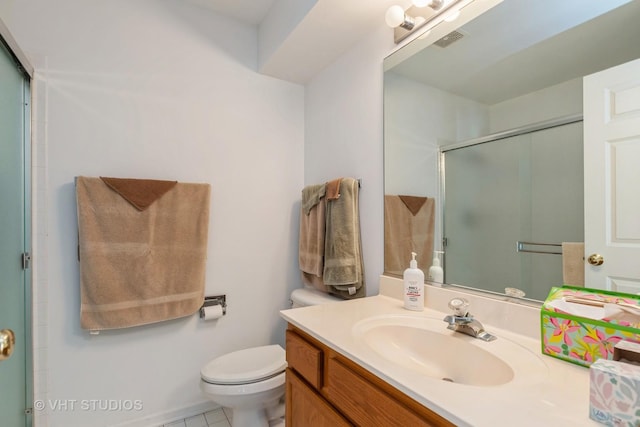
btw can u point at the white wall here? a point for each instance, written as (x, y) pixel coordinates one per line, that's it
(418, 120)
(169, 91)
(561, 100)
(343, 136)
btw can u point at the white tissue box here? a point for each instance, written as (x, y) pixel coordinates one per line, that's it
(614, 395)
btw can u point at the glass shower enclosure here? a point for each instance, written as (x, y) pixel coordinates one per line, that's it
(509, 203)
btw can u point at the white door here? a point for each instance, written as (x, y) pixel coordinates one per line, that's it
(612, 178)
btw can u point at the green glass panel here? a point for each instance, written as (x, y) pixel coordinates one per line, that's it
(523, 188)
(13, 389)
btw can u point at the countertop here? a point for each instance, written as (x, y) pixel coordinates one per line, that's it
(552, 393)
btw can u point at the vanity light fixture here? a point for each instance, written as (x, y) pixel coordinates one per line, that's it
(433, 4)
(424, 14)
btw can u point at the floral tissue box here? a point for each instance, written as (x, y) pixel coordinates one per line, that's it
(614, 395)
(582, 325)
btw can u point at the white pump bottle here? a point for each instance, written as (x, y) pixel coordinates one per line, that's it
(413, 286)
(436, 274)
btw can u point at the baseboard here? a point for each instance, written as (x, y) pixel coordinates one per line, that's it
(158, 419)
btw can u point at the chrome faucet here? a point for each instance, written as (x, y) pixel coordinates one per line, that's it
(463, 321)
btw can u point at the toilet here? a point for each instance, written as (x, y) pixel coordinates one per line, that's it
(250, 382)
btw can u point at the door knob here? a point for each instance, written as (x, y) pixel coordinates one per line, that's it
(595, 259)
(7, 342)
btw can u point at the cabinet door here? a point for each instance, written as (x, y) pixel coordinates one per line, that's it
(369, 405)
(306, 408)
(304, 358)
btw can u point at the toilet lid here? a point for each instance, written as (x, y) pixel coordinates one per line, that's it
(245, 366)
(306, 297)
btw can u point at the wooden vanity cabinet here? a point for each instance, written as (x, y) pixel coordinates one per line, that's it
(325, 388)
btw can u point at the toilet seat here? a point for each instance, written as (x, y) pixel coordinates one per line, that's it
(261, 386)
(245, 366)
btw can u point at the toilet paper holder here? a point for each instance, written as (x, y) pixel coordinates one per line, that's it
(214, 300)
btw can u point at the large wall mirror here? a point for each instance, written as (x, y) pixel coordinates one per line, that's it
(483, 139)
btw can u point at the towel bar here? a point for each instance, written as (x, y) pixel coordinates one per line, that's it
(520, 247)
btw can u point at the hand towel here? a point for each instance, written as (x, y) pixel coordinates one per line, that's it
(311, 239)
(409, 223)
(573, 263)
(141, 193)
(333, 189)
(343, 263)
(140, 267)
(413, 203)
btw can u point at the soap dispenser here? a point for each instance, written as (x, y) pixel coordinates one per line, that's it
(436, 274)
(413, 286)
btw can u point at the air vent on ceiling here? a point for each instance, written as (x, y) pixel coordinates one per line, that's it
(450, 38)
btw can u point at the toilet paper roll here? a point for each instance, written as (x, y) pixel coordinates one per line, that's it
(212, 312)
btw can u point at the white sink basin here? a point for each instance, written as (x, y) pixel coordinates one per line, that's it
(422, 345)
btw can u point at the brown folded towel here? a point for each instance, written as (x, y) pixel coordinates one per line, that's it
(333, 189)
(573, 263)
(406, 232)
(141, 193)
(140, 267)
(413, 203)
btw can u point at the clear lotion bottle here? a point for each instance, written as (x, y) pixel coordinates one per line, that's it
(413, 286)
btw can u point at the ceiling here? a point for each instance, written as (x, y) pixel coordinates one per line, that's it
(522, 46)
(295, 46)
(247, 11)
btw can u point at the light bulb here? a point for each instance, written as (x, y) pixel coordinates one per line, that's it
(395, 16)
(433, 4)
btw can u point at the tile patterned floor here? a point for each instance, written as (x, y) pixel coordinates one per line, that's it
(216, 418)
(220, 417)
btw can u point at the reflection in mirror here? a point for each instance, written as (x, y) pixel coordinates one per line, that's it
(525, 188)
(507, 79)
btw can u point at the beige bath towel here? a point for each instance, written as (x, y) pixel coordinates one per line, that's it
(311, 240)
(139, 267)
(409, 223)
(343, 264)
(573, 263)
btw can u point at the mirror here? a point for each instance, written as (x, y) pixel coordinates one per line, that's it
(496, 100)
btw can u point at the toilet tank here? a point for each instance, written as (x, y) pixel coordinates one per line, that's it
(305, 296)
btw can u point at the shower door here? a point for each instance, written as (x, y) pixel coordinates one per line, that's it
(525, 188)
(15, 389)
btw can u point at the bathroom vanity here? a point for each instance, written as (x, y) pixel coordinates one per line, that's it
(325, 388)
(370, 362)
